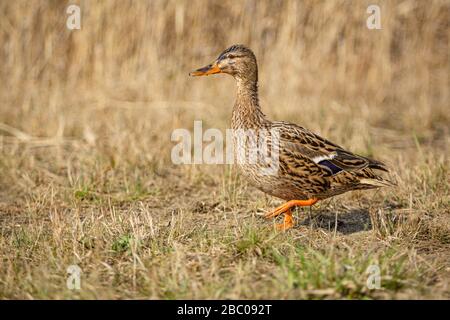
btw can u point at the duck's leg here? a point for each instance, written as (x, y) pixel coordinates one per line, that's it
(287, 223)
(286, 209)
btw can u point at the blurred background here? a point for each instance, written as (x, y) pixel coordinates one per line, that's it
(120, 85)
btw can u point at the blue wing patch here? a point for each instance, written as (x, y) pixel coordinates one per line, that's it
(334, 169)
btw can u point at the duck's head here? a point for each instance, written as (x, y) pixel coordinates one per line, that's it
(238, 61)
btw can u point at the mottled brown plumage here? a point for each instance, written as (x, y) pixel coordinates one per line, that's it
(310, 167)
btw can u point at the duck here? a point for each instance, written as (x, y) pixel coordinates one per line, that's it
(309, 168)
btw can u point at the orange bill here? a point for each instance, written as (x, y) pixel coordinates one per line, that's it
(205, 71)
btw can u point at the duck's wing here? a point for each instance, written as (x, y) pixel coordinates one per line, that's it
(324, 153)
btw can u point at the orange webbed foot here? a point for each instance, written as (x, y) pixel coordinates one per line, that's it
(288, 222)
(286, 209)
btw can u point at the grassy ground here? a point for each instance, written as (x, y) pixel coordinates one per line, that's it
(85, 170)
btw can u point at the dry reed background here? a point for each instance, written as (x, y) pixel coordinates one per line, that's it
(85, 170)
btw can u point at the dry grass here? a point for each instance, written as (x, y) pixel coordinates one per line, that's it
(85, 170)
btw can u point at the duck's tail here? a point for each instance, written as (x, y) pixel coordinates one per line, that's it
(377, 182)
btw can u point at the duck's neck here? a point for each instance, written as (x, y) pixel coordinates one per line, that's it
(247, 113)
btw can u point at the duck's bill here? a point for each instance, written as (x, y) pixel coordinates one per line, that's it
(205, 71)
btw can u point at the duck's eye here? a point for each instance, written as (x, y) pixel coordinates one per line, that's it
(231, 56)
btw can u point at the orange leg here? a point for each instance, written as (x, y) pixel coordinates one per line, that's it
(287, 223)
(286, 209)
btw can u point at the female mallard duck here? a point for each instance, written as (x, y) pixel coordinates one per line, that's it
(310, 167)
